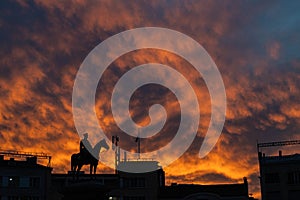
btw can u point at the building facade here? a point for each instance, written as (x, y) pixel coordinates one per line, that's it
(84, 186)
(279, 176)
(24, 180)
(141, 186)
(238, 191)
(27, 180)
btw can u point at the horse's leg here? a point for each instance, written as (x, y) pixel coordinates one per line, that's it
(73, 166)
(73, 169)
(72, 163)
(78, 170)
(91, 170)
(95, 168)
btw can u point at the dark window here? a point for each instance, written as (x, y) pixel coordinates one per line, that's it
(294, 177)
(13, 198)
(13, 181)
(273, 196)
(29, 198)
(294, 194)
(272, 178)
(34, 182)
(24, 182)
(134, 198)
(134, 182)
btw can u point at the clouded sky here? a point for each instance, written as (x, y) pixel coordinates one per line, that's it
(255, 44)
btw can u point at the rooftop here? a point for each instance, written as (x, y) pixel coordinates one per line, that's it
(30, 162)
(281, 159)
(138, 166)
(223, 190)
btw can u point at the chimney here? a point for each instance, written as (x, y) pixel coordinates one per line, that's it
(246, 185)
(245, 180)
(259, 155)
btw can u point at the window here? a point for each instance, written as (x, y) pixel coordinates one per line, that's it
(13, 198)
(134, 182)
(272, 178)
(134, 198)
(13, 181)
(273, 196)
(24, 182)
(294, 194)
(29, 198)
(138, 182)
(34, 182)
(294, 177)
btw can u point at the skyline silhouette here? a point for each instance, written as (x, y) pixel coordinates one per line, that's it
(254, 44)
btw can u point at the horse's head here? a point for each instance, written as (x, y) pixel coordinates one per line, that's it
(104, 144)
(98, 146)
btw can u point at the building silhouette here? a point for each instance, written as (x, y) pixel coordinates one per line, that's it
(27, 180)
(209, 192)
(85, 186)
(24, 179)
(141, 186)
(280, 174)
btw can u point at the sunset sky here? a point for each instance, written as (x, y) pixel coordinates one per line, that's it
(255, 44)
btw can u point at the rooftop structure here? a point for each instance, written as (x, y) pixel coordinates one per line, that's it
(23, 179)
(24, 155)
(26, 179)
(279, 175)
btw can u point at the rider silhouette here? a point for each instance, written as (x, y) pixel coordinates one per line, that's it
(85, 146)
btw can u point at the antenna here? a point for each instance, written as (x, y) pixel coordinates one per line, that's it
(138, 140)
(115, 140)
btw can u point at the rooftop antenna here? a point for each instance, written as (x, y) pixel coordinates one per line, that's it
(138, 140)
(115, 140)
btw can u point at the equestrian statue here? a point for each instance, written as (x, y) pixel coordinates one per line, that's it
(85, 157)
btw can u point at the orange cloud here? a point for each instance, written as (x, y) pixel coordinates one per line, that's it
(42, 51)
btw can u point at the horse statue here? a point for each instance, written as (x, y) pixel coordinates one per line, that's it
(77, 161)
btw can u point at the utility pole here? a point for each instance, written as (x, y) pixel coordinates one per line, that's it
(115, 140)
(138, 140)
